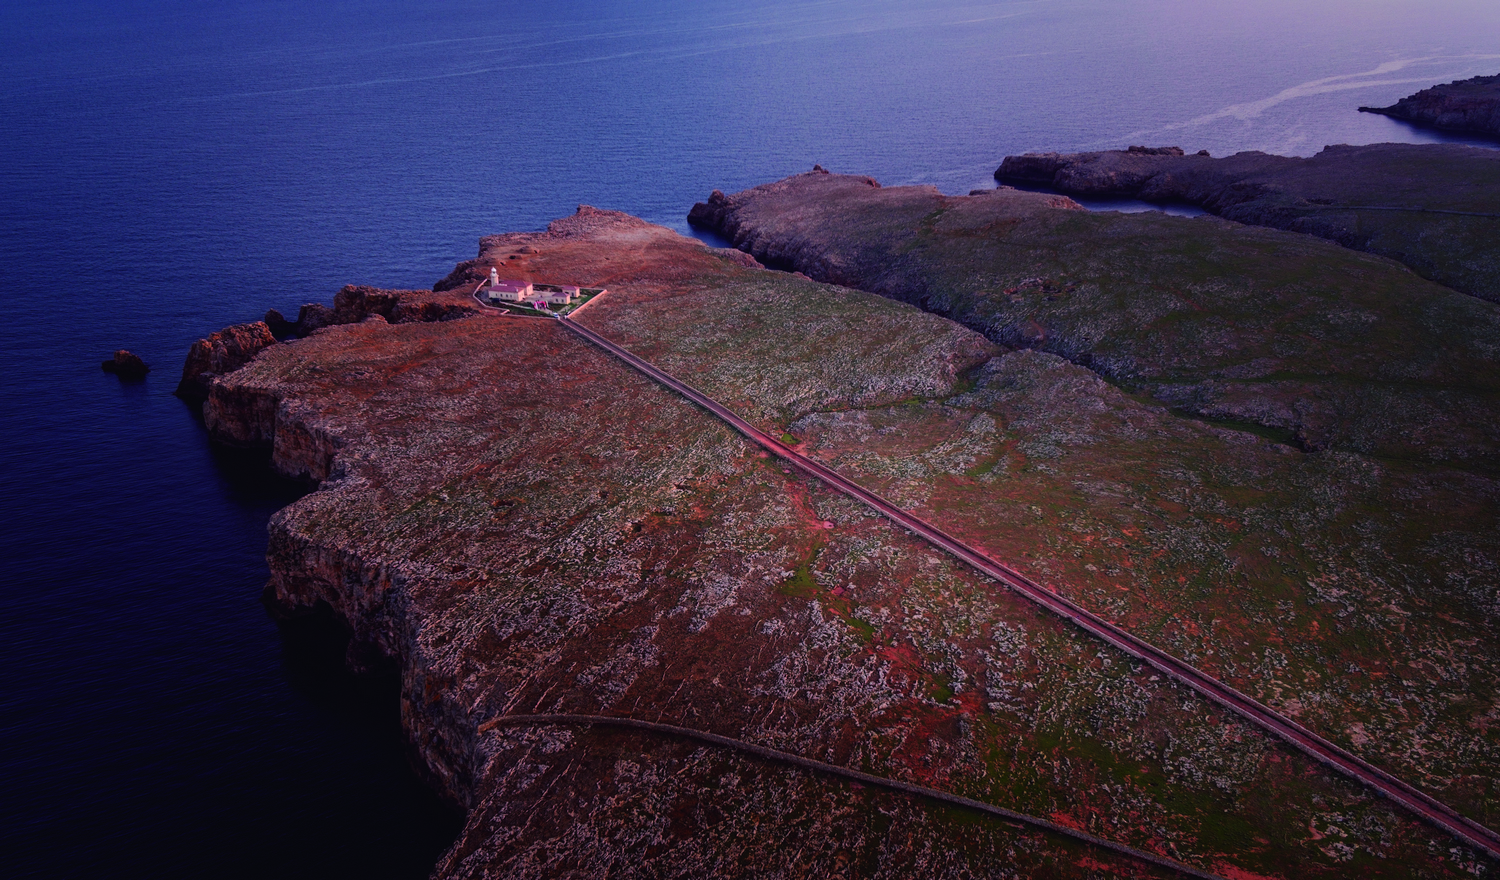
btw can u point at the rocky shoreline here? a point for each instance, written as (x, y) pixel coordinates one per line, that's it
(1471, 106)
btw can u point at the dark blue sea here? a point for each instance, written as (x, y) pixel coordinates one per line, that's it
(167, 168)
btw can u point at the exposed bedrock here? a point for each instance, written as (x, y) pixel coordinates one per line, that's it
(370, 596)
(244, 416)
(1433, 207)
(1315, 344)
(1466, 105)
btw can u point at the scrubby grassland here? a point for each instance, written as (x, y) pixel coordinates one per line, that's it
(1320, 529)
(1353, 594)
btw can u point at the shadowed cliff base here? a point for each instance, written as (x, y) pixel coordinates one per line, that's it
(1433, 207)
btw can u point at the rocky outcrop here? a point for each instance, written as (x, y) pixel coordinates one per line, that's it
(354, 303)
(233, 347)
(718, 212)
(278, 324)
(1108, 173)
(1467, 105)
(219, 353)
(1430, 206)
(126, 365)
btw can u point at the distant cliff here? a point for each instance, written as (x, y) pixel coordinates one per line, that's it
(1434, 207)
(1468, 105)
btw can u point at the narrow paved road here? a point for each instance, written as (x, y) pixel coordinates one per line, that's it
(1408, 796)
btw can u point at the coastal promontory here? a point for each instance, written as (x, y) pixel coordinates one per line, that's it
(1466, 105)
(1213, 435)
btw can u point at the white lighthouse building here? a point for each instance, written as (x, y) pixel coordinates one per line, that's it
(506, 291)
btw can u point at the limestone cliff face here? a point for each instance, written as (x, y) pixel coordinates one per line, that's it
(301, 447)
(371, 596)
(1466, 105)
(242, 414)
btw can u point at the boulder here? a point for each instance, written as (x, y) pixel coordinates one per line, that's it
(126, 365)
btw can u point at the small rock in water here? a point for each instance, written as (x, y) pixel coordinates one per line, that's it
(126, 365)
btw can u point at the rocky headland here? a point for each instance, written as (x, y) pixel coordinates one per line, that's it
(355, 303)
(1467, 105)
(1433, 207)
(1313, 344)
(523, 524)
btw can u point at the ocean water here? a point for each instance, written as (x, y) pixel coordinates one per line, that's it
(168, 168)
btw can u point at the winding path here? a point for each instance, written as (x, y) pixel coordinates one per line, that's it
(1408, 796)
